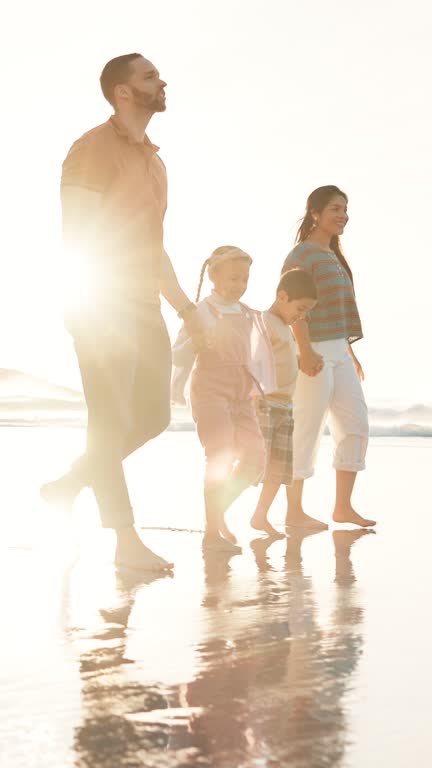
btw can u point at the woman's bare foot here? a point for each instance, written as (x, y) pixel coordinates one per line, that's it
(219, 544)
(262, 524)
(348, 515)
(132, 553)
(345, 538)
(296, 518)
(343, 541)
(227, 534)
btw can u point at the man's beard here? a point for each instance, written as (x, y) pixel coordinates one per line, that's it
(150, 103)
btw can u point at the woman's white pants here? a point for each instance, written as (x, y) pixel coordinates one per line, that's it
(336, 395)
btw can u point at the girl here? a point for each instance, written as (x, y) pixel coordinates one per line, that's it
(236, 365)
(329, 377)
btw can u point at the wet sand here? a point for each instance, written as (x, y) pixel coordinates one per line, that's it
(307, 652)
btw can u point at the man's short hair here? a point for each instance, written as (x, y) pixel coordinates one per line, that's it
(298, 284)
(116, 72)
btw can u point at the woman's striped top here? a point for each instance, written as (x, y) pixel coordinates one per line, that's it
(335, 315)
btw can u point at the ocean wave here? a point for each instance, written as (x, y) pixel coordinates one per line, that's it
(30, 402)
(416, 421)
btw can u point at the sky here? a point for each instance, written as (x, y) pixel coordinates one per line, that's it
(266, 100)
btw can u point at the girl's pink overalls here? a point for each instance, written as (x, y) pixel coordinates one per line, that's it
(222, 403)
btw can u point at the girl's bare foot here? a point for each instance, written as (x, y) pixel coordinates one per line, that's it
(263, 525)
(296, 518)
(219, 544)
(132, 553)
(348, 515)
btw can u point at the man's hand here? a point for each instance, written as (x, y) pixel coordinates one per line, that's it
(200, 337)
(311, 363)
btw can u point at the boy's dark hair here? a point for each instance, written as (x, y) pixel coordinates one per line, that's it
(116, 72)
(298, 284)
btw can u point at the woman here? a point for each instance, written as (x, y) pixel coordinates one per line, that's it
(329, 379)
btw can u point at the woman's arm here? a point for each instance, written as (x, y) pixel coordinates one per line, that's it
(310, 362)
(356, 362)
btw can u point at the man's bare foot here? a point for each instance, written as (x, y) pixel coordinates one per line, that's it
(227, 534)
(299, 519)
(262, 524)
(132, 553)
(348, 515)
(219, 544)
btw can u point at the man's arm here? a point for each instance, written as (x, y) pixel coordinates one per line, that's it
(86, 173)
(81, 278)
(81, 209)
(171, 291)
(169, 285)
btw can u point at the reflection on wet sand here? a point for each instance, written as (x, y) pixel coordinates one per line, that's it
(268, 680)
(106, 737)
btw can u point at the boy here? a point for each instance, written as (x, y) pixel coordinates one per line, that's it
(296, 295)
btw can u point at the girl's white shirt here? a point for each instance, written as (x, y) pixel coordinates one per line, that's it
(184, 354)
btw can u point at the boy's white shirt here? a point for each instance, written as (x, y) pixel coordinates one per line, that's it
(280, 334)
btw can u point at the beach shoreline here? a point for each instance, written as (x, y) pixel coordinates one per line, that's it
(279, 656)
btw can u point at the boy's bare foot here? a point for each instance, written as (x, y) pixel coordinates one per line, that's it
(299, 519)
(263, 525)
(132, 553)
(219, 544)
(227, 534)
(348, 515)
(259, 547)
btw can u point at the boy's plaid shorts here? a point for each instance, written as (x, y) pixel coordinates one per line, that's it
(277, 425)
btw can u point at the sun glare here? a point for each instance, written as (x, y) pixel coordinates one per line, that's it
(79, 282)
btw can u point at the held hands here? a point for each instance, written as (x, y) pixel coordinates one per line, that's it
(200, 336)
(311, 363)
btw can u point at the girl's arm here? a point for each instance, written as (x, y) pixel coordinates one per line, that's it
(310, 362)
(183, 353)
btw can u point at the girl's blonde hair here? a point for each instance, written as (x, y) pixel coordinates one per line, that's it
(219, 256)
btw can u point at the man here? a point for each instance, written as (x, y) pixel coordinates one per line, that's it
(113, 192)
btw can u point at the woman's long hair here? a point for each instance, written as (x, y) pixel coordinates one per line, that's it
(316, 202)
